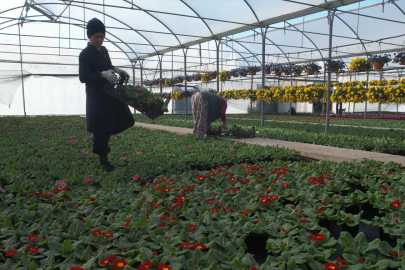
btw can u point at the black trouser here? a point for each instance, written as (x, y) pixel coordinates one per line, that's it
(100, 142)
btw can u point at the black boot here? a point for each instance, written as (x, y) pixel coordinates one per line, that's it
(108, 166)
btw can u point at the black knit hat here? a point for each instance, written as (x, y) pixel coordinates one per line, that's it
(95, 26)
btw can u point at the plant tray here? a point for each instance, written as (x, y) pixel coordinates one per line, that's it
(236, 132)
(152, 111)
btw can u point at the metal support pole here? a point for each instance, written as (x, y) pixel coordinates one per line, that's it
(21, 66)
(160, 72)
(218, 43)
(365, 103)
(264, 33)
(141, 68)
(185, 72)
(133, 72)
(331, 15)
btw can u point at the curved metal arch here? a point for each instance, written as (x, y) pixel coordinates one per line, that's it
(348, 26)
(306, 37)
(244, 59)
(65, 23)
(119, 22)
(195, 12)
(400, 9)
(147, 12)
(257, 18)
(253, 55)
(251, 9)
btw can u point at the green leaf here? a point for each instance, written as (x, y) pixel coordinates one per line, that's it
(240, 265)
(360, 241)
(7, 223)
(67, 247)
(32, 266)
(198, 258)
(89, 264)
(140, 224)
(384, 248)
(382, 264)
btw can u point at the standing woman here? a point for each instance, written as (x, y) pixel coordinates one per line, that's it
(207, 108)
(105, 115)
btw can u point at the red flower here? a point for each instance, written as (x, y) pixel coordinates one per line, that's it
(120, 263)
(303, 221)
(310, 236)
(198, 246)
(161, 225)
(344, 262)
(185, 245)
(191, 227)
(253, 268)
(164, 217)
(318, 237)
(107, 234)
(96, 232)
(331, 266)
(164, 267)
(361, 260)
(299, 215)
(394, 254)
(284, 185)
(124, 250)
(214, 210)
(75, 268)
(201, 177)
(319, 211)
(31, 249)
(283, 230)
(396, 204)
(155, 253)
(145, 265)
(92, 199)
(32, 237)
(174, 219)
(11, 252)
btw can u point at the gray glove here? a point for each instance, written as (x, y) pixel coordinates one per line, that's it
(110, 76)
(123, 74)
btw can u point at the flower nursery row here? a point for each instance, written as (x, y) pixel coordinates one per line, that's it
(357, 64)
(377, 140)
(271, 215)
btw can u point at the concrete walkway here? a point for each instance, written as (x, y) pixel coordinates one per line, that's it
(312, 151)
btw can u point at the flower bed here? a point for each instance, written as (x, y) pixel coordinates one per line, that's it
(376, 140)
(225, 218)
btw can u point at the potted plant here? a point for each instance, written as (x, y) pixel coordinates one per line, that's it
(335, 65)
(169, 82)
(224, 76)
(243, 71)
(296, 69)
(253, 69)
(213, 74)
(188, 78)
(235, 72)
(205, 77)
(312, 68)
(379, 60)
(196, 77)
(286, 69)
(268, 68)
(277, 68)
(179, 79)
(399, 57)
(360, 64)
(147, 83)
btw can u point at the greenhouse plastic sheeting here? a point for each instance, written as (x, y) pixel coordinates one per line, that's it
(46, 36)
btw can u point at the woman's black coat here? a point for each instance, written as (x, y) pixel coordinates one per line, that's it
(104, 113)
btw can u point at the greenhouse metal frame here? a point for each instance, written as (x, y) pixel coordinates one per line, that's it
(156, 39)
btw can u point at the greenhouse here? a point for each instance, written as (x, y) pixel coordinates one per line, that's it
(306, 170)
